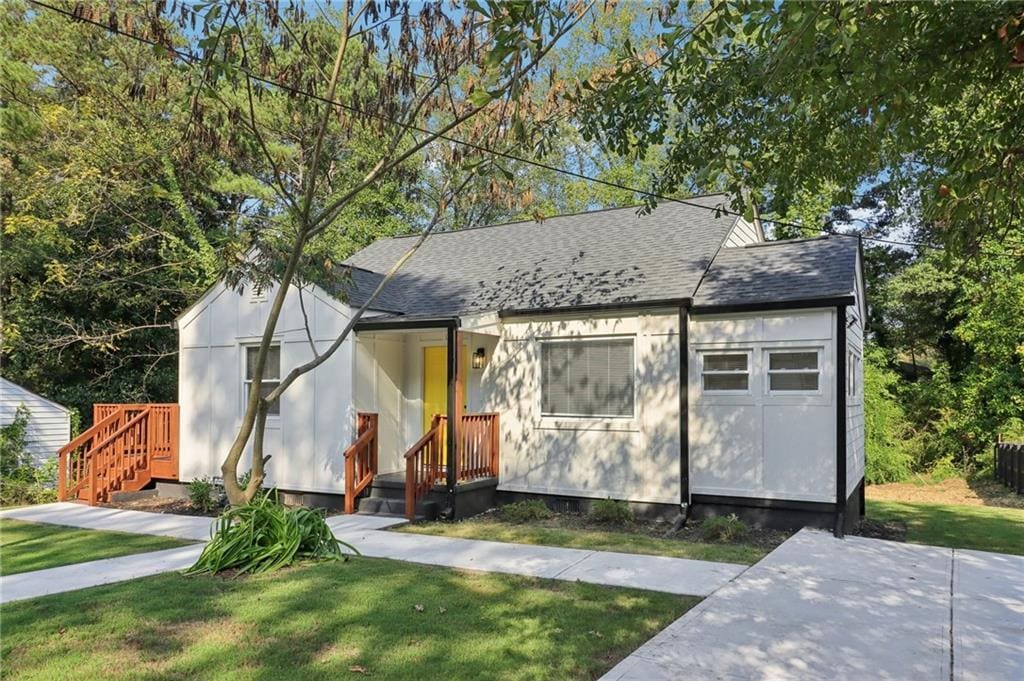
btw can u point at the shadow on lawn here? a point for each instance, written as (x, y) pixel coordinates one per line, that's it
(331, 620)
(994, 493)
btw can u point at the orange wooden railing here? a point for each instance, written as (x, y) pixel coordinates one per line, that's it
(424, 465)
(360, 459)
(127, 446)
(476, 445)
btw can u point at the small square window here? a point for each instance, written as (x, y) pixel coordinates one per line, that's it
(271, 374)
(725, 372)
(793, 371)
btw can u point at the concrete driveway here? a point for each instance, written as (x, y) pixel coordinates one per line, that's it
(823, 608)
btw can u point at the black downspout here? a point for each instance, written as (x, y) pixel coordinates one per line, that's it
(840, 421)
(453, 358)
(684, 412)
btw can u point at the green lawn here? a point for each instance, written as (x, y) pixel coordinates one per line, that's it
(35, 546)
(387, 619)
(597, 540)
(985, 528)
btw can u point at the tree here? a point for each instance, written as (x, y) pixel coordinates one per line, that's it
(792, 101)
(110, 225)
(411, 81)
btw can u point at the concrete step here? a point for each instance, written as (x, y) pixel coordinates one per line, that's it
(425, 510)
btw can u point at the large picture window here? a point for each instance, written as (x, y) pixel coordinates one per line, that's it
(725, 372)
(592, 378)
(793, 371)
(271, 373)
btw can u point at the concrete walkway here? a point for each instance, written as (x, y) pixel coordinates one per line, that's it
(822, 608)
(195, 528)
(95, 573)
(657, 573)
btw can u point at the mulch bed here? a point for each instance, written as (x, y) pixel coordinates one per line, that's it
(154, 504)
(659, 529)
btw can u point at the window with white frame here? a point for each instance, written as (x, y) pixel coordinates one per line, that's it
(587, 378)
(725, 372)
(852, 371)
(793, 371)
(271, 373)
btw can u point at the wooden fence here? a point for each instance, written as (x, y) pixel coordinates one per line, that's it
(1010, 465)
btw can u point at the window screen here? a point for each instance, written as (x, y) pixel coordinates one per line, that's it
(725, 372)
(271, 373)
(793, 371)
(587, 377)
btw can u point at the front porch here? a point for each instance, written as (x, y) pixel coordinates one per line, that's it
(413, 378)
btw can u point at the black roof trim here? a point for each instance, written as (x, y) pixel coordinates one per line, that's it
(774, 305)
(399, 323)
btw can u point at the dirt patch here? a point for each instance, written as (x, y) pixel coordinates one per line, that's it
(955, 492)
(163, 505)
(881, 529)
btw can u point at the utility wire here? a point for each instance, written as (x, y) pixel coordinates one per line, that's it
(191, 61)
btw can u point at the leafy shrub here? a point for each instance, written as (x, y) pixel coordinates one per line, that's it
(202, 494)
(21, 482)
(889, 446)
(244, 478)
(264, 535)
(611, 511)
(723, 528)
(525, 511)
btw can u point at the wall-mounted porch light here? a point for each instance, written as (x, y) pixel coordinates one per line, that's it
(479, 358)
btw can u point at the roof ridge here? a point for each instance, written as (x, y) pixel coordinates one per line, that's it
(782, 242)
(560, 215)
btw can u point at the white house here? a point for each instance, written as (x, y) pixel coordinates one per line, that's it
(49, 424)
(556, 347)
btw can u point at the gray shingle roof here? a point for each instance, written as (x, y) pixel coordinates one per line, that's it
(601, 257)
(360, 284)
(796, 269)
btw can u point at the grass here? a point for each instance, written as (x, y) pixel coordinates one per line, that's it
(381, 618)
(621, 540)
(26, 546)
(985, 528)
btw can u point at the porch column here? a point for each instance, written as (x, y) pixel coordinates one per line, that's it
(454, 411)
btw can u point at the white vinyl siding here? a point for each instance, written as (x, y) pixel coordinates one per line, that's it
(588, 378)
(49, 424)
(271, 373)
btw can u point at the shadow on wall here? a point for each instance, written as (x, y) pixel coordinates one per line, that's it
(636, 459)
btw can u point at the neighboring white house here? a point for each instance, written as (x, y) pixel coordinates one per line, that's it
(571, 331)
(49, 424)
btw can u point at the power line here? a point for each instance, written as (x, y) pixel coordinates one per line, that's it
(191, 61)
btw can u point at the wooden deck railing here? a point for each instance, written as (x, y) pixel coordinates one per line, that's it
(1010, 465)
(476, 456)
(361, 459)
(127, 446)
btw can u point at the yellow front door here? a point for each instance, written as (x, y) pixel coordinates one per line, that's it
(435, 383)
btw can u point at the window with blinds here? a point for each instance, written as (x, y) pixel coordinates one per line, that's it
(725, 372)
(587, 377)
(790, 371)
(271, 374)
